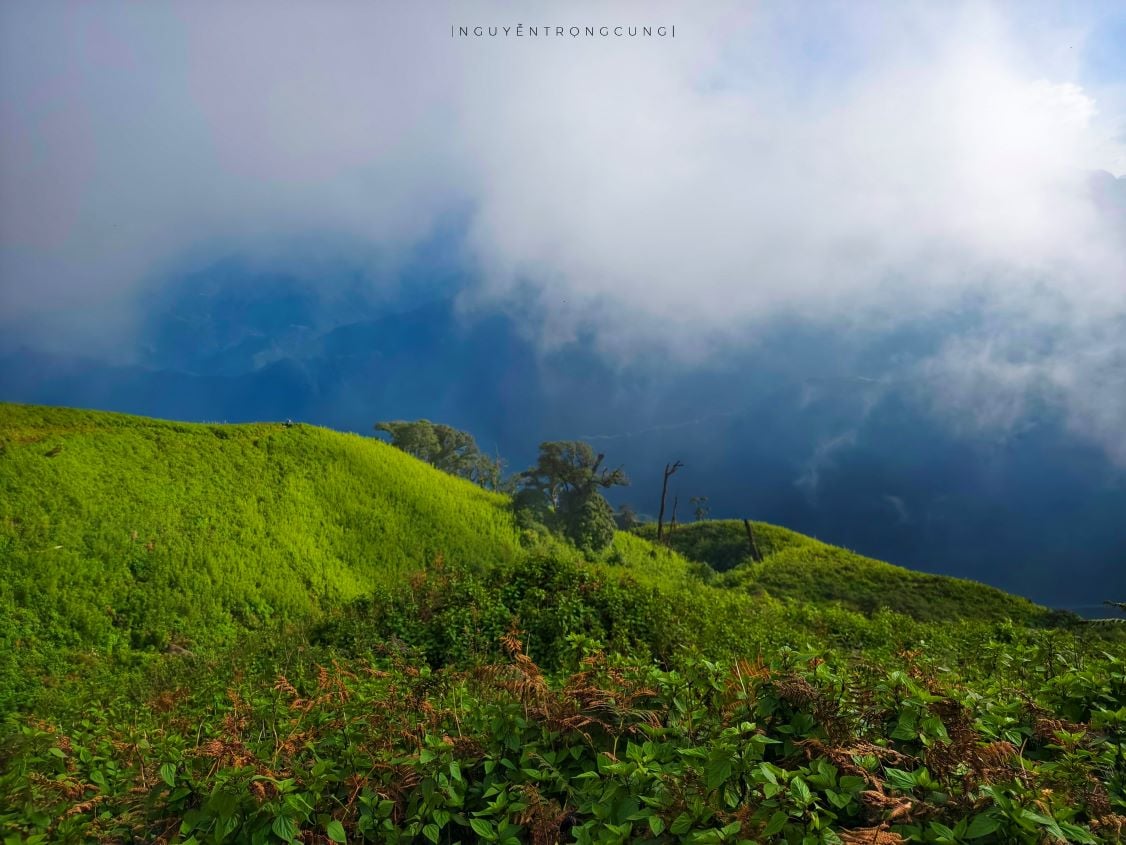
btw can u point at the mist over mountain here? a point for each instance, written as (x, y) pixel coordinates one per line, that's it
(827, 432)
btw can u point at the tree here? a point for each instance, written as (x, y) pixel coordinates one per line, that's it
(751, 544)
(626, 518)
(670, 469)
(699, 507)
(415, 438)
(565, 486)
(446, 448)
(571, 466)
(588, 521)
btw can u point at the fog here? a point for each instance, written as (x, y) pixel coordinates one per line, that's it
(862, 167)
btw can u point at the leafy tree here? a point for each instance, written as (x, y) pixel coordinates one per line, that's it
(588, 521)
(626, 518)
(700, 507)
(571, 466)
(446, 448)
(564, 489)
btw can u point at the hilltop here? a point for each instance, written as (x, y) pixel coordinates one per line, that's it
(115, 526)
(801, 568)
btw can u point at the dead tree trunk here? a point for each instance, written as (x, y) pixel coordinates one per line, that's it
(669, 470)
(755, 553)
(672, 522)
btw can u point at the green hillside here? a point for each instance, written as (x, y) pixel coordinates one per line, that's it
(282, 634)
(798, 567)
(118, 529)
(121, 530)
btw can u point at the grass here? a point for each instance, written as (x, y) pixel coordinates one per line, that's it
(123, 532)
(797, 567)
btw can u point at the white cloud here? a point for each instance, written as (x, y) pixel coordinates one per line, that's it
(860, 165)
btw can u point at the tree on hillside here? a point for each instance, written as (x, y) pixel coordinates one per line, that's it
(699, 507)
(565, 488)
(446, 448)
(670, 470)
(626, 518)
(571, 466)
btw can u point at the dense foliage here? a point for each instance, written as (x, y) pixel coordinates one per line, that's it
(351, 733)
(563, 492)
(446, 448)
(464, 682)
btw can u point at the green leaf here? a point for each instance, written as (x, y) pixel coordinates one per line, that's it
(1077, 834)
(933, 727)
(681, 824)
(901, 780)
(168, 774)
(656, 824)
(941, 833)
(800, 790)
(284, 828)
(431, 832)
(905, 728)
(334, 830)
(776, 823)
(482, 828)
(981, 825)
(717, 770)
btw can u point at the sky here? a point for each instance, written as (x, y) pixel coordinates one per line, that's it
(857, 166)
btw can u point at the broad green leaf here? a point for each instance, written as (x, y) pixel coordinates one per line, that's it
(800, 790)
(901, 780)
(981, 825)
(717, 770)
(776, 823)
(482, 828)
(1077, 834)
(681, 824)
(334, 830)
(284, 828)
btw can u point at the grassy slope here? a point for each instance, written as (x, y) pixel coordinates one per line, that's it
(123, 531)
(799, 567)
(112, 524)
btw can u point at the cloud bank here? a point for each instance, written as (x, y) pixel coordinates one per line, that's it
(859, 166)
